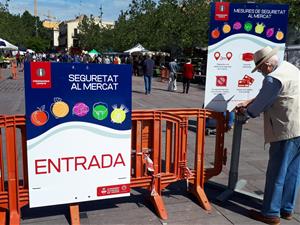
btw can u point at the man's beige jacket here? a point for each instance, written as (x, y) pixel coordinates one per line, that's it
(282, 119)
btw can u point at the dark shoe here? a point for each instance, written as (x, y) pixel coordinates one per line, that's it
(272, 220)
(286, 215)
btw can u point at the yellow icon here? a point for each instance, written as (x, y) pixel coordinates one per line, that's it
(279, 35)
(118, 115)
(259, 28)
(59, 108)
(226, 28)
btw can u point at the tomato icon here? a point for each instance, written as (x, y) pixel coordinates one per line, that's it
(215, 33)
(39, 117)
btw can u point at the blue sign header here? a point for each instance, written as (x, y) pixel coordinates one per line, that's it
(58, 93)
(267, 21)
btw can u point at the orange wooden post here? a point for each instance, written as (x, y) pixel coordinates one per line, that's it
(74, 214)
(177, 145)
(1, 156)
(169, 145)
(24, 155)
(139, 152)
(197, 189)
(156, 197)
(183, 150)
(12, 168)
(2, 216)
(219, 147)
(2, 211)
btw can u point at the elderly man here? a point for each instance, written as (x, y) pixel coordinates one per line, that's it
(279, 100)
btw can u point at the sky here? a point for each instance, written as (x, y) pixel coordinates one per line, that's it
(69, 9)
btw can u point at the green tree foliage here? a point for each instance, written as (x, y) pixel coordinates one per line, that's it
(94, 36)
(169, 25)
(23, 30)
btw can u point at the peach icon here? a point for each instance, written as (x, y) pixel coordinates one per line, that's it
(59, 108)
(226, 28)
(279, 35)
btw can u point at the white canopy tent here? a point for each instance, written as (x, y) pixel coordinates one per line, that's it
(137, 48)
(5, 45)
(30, 51)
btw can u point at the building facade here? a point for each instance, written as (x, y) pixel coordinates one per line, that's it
(68, 31)
(54, 27)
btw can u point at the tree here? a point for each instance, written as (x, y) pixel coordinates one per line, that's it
(21, 30)
(88, 37)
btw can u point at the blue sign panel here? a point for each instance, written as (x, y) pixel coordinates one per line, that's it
(78, 123)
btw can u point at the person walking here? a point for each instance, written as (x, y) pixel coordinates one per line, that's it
(106, 60)
(279, 99)
(117, 60)
(14, 69)
(18, 58)
(148, 68)
(172, 85)
(188, 74)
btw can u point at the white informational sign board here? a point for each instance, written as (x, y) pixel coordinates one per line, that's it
(236, 32)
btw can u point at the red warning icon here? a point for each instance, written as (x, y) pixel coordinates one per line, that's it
(221, 81)
(247, 81)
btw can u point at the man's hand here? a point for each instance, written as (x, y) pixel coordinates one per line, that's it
(240, 109)
(245, 103)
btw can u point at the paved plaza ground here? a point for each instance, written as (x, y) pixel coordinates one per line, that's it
(181, 206)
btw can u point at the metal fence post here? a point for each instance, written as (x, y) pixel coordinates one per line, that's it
(235, 157)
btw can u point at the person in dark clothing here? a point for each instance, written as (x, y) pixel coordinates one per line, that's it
(188, 73)
(148, 68)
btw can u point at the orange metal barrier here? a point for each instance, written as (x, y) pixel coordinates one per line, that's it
(159, 158)
(220, 151)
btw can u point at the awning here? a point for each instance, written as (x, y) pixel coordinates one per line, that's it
(5, 45)
(137, 48)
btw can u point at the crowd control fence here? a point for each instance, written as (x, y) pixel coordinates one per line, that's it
(160, 156)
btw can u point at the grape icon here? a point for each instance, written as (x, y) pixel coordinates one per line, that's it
(80, 109)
